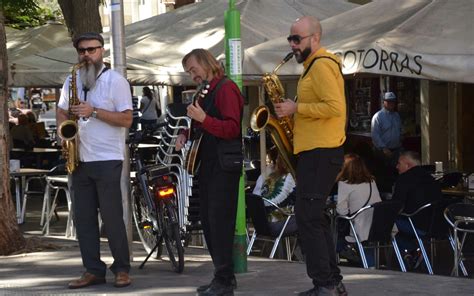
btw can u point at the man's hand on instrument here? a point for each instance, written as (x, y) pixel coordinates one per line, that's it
(180, 142)
(195, 112)
(84, 109)
(285, 108)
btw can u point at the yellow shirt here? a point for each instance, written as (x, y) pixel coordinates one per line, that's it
(320, 119)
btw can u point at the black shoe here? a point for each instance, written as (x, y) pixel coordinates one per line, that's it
(310, 292)
(417, 259)
(203, 288)
(218, 289)
(319, 291)
(408, 260)
(350, 255)
(341, 289)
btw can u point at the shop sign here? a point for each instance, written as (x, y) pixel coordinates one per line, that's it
(377, 59)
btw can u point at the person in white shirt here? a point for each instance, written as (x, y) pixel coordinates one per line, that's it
(356, 189)
(104, 112)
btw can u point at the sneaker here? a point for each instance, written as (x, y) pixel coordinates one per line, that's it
(341, 289)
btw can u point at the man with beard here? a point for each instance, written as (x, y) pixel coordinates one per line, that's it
(218, 116)
(104, 112)
(319, 133)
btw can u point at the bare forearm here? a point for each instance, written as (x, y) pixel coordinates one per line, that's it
(61, 115)
(122, 119)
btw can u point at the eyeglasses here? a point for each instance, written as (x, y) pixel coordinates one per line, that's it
(296, 39)
(90, 50)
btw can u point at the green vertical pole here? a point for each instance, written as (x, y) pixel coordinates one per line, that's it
(233, 57)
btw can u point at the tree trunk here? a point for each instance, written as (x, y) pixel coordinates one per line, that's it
(81, 16)
(11, 238)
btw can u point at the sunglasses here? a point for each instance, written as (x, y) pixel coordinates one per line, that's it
(90, 50)
(296, 39)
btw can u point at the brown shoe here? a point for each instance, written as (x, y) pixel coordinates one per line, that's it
(87, 279)
(122, 279)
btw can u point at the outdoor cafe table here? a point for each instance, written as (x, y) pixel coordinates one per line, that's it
(38, 152)
(467, 193)
(21, 175)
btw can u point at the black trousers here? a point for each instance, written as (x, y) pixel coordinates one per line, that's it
(315, 175)
(218, 192)
(96, 185)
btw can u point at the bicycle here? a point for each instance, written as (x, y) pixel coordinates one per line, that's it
(154, 208)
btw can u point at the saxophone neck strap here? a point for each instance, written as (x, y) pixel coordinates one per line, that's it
(85, 89)
(323, 57)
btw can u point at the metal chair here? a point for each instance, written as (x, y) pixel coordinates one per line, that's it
(29, 191)
(437, 229)
(56, 181)
(460, 217)
(384, 215)
(269, 231)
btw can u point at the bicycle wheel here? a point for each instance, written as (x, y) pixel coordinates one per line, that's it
(172, 237)
(145, 223)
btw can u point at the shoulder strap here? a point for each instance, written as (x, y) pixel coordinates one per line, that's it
(211, 97)
(211, 104)
(86, 90)
(367, 201)
(149, 103)
(323, 57)
(345, 90)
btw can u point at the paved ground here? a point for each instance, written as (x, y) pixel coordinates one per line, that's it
(47, 272)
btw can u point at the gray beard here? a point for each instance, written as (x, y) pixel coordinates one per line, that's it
(88, 75)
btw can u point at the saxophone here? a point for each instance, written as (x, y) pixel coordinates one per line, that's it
(280, 129)
(68, 130)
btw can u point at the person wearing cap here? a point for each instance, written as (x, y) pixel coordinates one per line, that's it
(386, 126)
(104, 112)
(386, 134)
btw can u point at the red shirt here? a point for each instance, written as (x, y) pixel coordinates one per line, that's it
(229, 102)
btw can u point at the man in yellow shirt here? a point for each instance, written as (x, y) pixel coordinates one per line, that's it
(319, 133)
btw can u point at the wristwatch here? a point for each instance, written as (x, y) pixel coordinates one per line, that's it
(94, 113)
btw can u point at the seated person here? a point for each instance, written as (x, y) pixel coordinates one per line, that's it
(38, 128)
(21, 134)
(278, 187)
(356, 189)
(414, 188)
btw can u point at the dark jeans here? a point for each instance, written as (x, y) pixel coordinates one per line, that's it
(96, 185)
(218, 192)
(406, 239)
(316, 173)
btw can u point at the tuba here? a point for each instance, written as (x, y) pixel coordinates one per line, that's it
(68, 130)
(280, 129)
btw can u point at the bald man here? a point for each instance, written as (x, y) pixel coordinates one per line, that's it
(319, 133)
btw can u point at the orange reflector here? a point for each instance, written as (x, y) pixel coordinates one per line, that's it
(165, 192)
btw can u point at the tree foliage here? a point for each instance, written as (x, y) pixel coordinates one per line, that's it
(21, 14)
